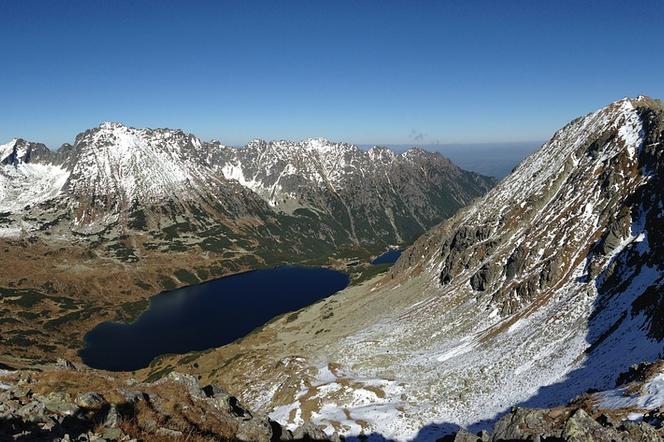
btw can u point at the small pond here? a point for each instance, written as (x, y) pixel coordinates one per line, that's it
(389, 257)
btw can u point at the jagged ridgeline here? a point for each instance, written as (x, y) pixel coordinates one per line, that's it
(123, 213)
(550, 285)
(171, 184)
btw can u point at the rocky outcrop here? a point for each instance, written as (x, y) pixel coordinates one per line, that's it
(20, 151)
(47, 405)
(571, 425)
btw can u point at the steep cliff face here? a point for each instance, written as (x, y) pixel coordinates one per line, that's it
(549, 285)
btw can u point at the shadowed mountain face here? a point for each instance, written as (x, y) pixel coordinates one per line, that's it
(90, 231)
(373, 197)
(549, 285)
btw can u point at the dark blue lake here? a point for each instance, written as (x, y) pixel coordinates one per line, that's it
(207, 315)
(389, 257)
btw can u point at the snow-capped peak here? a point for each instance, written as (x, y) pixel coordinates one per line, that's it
(111, 125)
(7, 149)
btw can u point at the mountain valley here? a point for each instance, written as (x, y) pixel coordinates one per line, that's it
(90, 232)
(543, 294)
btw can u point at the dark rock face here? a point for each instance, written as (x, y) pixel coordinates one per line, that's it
(23, 151)
(339, 183)
(485, 276)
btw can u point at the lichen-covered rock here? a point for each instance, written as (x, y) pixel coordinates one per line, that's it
(91, 401)
(580, 427)
(525, 423)
(640, 432)
(466, 436)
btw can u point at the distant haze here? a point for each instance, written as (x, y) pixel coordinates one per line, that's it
(493, 159)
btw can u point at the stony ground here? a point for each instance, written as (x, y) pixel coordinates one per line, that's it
(65, 403)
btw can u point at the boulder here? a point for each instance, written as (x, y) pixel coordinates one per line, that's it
(466, 436)
(527, 423)
(59, 403)
(640, 432)
(309, 431)
(91, 401)
(580, 427)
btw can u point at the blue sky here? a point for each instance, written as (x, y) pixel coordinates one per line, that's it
(407, 72)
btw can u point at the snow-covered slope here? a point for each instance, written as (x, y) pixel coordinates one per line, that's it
(124, 163)
(24, 181)
(114, 167)
(549, 285)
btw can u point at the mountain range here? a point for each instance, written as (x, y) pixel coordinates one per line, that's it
(91, 230)
(547, 288)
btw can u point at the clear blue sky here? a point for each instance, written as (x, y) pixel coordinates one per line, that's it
(358, 71)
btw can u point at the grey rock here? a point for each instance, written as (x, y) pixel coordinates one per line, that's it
(112, 418)
(33, 412)
(60, 403)
(112, 434)
(65, 364)
(524, 423)
(132, 396)
(187, 380)
(466, 436)
(309, 430)
(226, 402)
(20, 393)
(169, 433)
(641, 432)
(91, 401)
(580, 427)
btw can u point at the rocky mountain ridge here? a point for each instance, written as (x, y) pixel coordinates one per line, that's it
(371, 194)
